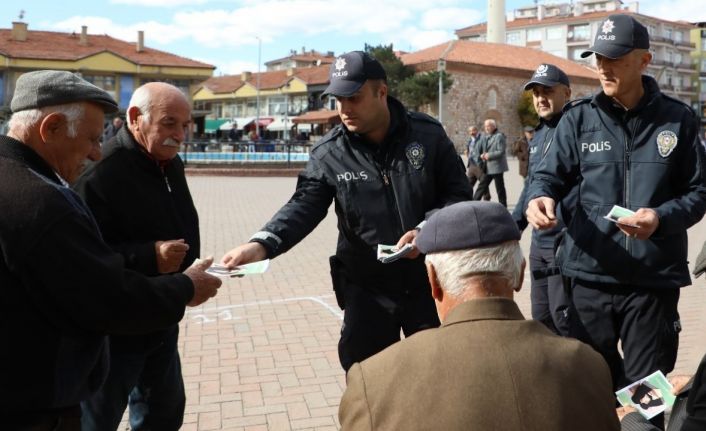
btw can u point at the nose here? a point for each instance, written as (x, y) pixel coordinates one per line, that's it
(95, 153)
(343, 105)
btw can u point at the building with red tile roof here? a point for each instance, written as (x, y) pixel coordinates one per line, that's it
(115, 65)
(488, 81)
(301, 59)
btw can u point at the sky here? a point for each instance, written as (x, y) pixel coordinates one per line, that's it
(230, 34)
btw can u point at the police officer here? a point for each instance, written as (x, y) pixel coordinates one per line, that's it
(385, 168)
(632, 146)
(550, 304)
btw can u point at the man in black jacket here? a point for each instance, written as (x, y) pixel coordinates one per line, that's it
(64, 289)
(139, 196)
(385, 169)
(550, 302)
(631, 146)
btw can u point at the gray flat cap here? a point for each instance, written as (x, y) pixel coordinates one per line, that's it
(466, 225)
(53, 87)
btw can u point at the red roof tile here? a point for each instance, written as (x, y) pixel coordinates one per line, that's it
(310, 56)
(48, 45)
(584, 17)
(268, 80)
(321, 116)
(496, 55)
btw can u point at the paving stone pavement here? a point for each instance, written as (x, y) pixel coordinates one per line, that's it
(262, 354)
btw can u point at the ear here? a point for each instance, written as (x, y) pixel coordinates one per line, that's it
(522, 276)
(132, 113)
(645, 60)
(52, 126)
(436, 291)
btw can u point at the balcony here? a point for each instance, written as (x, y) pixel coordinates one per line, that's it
(685, 44)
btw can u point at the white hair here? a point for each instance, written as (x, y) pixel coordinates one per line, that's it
(492, 122)
(453, 267)
(142, 100)
(22, 121)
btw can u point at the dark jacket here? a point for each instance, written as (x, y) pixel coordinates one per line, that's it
(64, 289)
(648, 157)
(380, 191)
(540, 143)
(495, 145)
(520, 149)
(137, 203)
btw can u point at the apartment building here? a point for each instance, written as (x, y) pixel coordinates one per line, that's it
(698, 57)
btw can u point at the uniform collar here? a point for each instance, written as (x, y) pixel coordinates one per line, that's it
(651, 91)
(484, 309)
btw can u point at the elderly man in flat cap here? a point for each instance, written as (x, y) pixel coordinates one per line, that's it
(486, 367)
(64, 289)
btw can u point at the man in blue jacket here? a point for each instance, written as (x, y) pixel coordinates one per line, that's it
(632, 146)
(550, 304)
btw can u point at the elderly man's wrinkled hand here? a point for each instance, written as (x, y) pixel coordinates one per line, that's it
(170, 255)
(407, 238)
(205, 285)
(624, 411)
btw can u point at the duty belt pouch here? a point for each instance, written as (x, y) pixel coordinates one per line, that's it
(338, 280)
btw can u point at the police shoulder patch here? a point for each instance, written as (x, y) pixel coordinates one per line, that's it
(666, 142)
(415, 154)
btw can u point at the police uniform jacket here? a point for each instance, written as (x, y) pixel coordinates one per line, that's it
(647, 157)
(485, 368)
(538, 146)
(379, 192)
(137, 202)
(495, 145)
(63, 290)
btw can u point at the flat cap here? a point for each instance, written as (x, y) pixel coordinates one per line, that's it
(42, 88)
(547, 75)
(467, 225)
(350, 71)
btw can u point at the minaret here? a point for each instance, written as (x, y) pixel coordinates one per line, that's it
(496, 21)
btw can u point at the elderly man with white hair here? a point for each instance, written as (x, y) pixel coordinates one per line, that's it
(63, 288)
(486, 367)
(491, 150)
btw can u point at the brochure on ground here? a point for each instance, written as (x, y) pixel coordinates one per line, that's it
(239, 271)
(390, 253)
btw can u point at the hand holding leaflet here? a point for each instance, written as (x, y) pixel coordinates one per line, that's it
(390, 253)
(239, 271)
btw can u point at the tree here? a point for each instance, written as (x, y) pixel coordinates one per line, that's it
(412, 89)
(525, 110)
(396, 71)
(423, 88)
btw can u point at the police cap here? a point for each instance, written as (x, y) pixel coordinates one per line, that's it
(350, 71)
(618, 35)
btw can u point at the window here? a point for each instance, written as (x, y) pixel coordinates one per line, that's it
(651, 30)
(576, 54)
(677, 58)
(580, 32)
(106, 82)
(554, 33)
(703, 65)
(332, 103)
(703, 44)
(534, 34)
(492, 99)
(678, 37)
(668, 33)
(275, 105)
(513, 38)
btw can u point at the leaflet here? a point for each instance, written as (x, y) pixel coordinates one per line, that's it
(649, 396)
(616, 212)
(390, 253)
(239, 271)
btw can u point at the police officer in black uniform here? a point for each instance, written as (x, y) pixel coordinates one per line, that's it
(386, 169)
(632, 146)
(550, 303)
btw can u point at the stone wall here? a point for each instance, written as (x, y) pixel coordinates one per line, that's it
(476, 96)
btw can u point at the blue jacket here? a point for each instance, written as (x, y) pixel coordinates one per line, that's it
(647, 157)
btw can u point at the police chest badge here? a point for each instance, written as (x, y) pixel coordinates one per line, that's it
(415, 155)
(666, 142)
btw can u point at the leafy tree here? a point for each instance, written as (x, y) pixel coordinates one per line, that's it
(396, 71)
(412, 89)
(423, 88)
(525, 110)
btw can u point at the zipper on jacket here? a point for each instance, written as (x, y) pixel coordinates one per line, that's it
(390, 189)
(166, 181)
(626, 185)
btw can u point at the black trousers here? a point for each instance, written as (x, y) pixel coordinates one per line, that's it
(372, 321)
(551, 301)
(484, 185)
(645, 321)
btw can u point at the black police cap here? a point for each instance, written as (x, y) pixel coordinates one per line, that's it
(547, 75)
(618, 35)
(350, 71)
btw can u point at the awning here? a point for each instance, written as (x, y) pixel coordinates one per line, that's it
(303, 127)
(323, 116)
(211, 126)
(279, 124)
(242, 121)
